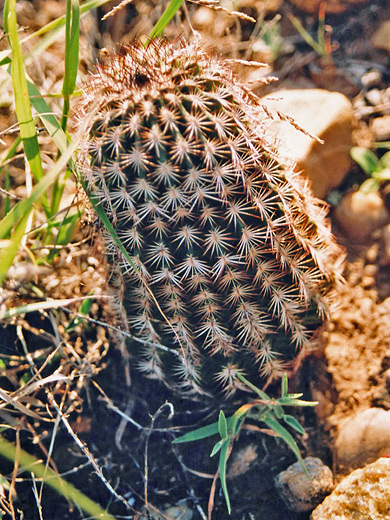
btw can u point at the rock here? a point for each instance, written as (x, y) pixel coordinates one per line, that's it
(179, 512)
(203, 18)
(301, 493)
(359, 214)
(386, 245)
(328, 115)
(363, 495)
(242, 461)
(380, 127)
(371, 79)
(332, 6)
(363, 438)
(381, 38)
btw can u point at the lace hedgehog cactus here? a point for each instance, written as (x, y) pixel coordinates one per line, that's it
(235, 264)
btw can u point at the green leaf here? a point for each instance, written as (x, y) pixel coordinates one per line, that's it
(217, 447)
(222, 472)
(204, 431)
(291, 401)
(291, 421)
(365, 158)
(384, 161)
(222, 425)
(198, 434)
(84, 309)
(370, 185)
(383, 144)
(278, 411)
(283, 434)
(259, 392)
(383, 175)
(284, 385)
(166, 17)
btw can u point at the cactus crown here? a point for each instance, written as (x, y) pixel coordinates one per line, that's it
(227, 239)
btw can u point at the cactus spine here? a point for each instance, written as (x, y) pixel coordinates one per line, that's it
(228, 241)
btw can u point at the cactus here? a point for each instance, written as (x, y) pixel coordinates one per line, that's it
(235, 263)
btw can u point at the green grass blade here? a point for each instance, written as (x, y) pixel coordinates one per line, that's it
(31, 464)
(53, 26)
(18, 215)
(72, 27)
(166, 17)
(48, 119)
(45, 305)
(72, 48)
(22, 99)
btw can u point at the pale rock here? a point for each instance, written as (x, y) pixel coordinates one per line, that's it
(362, 495)
(298, 491)
(359, 214)
(332, 6)
(203, 18)
(363, 438)
(380, 127)
(381, 38)
(327, 115)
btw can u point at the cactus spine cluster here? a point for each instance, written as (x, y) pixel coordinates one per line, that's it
(235, 264)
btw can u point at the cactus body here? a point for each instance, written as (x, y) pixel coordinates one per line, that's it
(235, 264)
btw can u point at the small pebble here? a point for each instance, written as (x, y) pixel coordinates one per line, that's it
(298, 491)
(380, 127)
(359, 214)
(372, 78)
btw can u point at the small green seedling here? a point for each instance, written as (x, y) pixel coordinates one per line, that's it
(378, 170)
(264, 409)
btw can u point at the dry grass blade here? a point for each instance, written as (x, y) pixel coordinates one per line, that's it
(9, 400)
(117, 8)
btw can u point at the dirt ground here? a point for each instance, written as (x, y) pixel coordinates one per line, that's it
(348, 375)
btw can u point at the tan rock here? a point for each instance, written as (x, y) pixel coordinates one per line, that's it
(331, 6)
(363, 495)
(300, 492)
(359, 214)
(381, 38)
(363, 438)
(329, 116)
